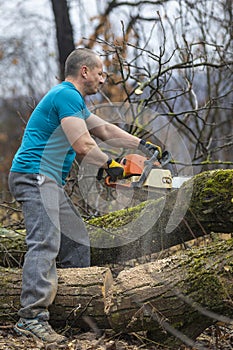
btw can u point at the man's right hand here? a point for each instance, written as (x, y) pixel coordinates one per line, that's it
(114, 169)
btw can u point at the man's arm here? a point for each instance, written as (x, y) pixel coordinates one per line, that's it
(79, 137)
(110, 133)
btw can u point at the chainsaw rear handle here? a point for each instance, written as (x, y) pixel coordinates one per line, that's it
(109, 182)
(107, 179)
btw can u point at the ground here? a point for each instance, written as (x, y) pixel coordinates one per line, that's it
(215, 338)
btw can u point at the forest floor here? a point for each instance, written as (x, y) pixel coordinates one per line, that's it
(214, 338)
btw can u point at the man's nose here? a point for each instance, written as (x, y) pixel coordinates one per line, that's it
(102, 79)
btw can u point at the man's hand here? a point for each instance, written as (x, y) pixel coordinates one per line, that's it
(149, 148)
(114, 169)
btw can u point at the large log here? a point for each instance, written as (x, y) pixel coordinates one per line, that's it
(80, 293)
(181, 295)
(201, 206)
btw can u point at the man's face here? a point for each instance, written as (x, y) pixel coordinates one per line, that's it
(94, 78)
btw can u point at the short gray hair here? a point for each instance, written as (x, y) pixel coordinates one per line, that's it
(78, 58)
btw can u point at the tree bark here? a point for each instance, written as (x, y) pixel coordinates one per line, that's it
(180, 295)
(80, 293)
(201, 206)
(64, 30)
(175, 294)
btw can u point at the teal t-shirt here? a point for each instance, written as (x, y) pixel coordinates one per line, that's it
(45, 148)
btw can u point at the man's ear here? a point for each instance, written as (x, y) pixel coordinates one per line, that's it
(84, 70)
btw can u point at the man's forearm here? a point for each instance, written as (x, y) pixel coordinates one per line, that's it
(90, 153)
(116, 137)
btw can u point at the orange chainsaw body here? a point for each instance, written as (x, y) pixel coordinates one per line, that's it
(133, 167)
(134, 164)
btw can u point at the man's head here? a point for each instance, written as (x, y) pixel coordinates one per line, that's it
(85, 69)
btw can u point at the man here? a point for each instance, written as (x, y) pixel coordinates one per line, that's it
(59, 128)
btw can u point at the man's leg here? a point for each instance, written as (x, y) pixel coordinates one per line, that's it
(39, 199)
(75, 244)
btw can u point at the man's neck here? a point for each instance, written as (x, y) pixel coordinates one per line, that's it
(75, 83)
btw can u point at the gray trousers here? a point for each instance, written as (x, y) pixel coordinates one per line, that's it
(55, 232)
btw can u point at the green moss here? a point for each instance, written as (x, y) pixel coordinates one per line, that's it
(201, 286)
(118, 218)
(212, 199)
(211, 186)
(202, 282)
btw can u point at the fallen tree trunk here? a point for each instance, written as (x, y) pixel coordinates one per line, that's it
(181, 295)
(201, 206)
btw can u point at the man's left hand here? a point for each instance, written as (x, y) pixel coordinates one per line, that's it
(149, 148)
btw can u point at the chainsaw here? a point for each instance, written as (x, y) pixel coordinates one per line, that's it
(145, 173)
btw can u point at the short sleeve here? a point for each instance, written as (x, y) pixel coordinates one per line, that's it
(70, 103)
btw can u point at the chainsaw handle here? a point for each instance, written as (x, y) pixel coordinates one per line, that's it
(107, 180)
(166, 158)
